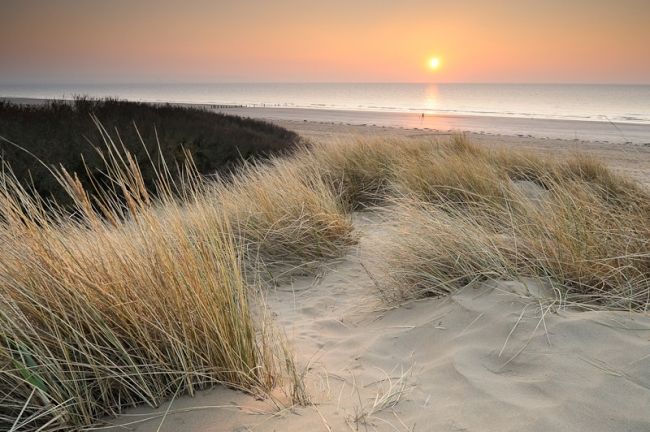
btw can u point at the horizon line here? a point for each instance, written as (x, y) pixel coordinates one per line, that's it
(202, 82)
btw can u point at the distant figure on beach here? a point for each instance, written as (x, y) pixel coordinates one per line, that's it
(422, 116)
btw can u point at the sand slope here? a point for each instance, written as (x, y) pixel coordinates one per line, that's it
(497, 356)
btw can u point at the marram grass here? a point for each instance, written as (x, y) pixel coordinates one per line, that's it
(460, 213)
(468, 214)
(134, 298)
(285, 213)
(131, 299)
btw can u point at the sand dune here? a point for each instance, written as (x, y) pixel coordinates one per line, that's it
(496, 356)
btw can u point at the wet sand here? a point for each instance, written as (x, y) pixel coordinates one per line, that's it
(525, 127)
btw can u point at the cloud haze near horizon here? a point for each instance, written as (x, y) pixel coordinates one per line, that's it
(352, 41)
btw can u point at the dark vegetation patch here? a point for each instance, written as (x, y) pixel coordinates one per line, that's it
(64, 133)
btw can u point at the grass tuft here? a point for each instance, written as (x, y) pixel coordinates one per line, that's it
(285, 213)
(129, 299)
(469, 214)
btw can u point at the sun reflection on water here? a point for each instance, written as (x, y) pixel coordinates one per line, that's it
(432, 97)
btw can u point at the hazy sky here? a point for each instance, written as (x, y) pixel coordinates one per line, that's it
(582, 41)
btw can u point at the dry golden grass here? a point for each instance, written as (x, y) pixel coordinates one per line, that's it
(462, 213)
(136, 298)
(285, 213)
(360, 171)
(132, 299)
(468, 214)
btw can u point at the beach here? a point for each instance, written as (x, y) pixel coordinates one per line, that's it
(555, 138)
(579, 130)
(625, 147)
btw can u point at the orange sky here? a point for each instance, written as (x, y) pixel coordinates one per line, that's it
(331, 40)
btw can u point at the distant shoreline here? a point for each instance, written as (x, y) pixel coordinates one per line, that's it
(580, 130)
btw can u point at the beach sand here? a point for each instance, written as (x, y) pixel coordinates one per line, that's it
(493, 357)
(579, 130)
(554, 138)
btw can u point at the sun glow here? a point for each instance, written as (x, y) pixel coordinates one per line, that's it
(434, 63)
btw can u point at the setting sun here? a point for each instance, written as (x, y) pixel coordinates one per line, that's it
(434, 63)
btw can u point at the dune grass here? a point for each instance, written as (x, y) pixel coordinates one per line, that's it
(460, 213)
(130, 299)
(135, 297)
(469, 214)
(285, 213)
(360, 172)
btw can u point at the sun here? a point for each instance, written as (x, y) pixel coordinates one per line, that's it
(434, 63)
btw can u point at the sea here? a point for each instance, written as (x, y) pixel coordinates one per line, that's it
(603, 103)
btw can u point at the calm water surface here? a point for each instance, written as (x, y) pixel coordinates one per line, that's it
(615, 103)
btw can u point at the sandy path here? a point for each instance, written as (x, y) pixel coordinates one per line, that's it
(492, 357)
